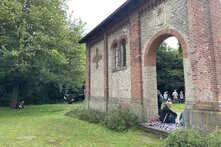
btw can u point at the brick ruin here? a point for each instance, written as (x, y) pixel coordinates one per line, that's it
(139, 27)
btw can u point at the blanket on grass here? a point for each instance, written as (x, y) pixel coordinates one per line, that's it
(164, 126)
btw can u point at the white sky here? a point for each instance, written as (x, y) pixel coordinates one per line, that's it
(93, 12)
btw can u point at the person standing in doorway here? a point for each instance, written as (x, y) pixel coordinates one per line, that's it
(175, 96)
(181, 96)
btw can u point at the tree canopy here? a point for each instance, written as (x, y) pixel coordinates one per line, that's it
(170, 73)
(39, 44)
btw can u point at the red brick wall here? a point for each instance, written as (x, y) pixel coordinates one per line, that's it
(158, 38)
(215, 13)
(135, 51)
(202, 48)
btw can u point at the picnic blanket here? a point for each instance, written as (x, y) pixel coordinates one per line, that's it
(164, 126)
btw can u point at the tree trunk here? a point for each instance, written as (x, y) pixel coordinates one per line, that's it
(14, 97)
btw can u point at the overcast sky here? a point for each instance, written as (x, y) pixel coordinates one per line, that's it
(93, 12)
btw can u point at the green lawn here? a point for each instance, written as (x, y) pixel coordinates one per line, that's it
(178, 107)
(46, 125)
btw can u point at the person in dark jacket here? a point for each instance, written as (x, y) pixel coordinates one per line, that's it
(166, 114)
(159, 100)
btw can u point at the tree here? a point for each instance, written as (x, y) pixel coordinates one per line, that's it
(169, 68)
(39, 43)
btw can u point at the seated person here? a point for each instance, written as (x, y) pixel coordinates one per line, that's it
(22, 104)
(69, 98)
(19, 105)
(181, 119)
(166, 114)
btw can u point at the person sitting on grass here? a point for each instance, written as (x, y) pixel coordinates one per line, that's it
(69, 98)
(166, 114)
(20, 105)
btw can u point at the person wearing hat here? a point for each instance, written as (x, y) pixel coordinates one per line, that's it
(166, 114)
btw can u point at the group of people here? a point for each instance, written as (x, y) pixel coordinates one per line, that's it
(167, 115)
(176, 98)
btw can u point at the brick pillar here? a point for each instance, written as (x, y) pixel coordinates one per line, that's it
(204, 27)
(135, 54)
(106, 94)
(215, 12)
(203, 57)
(88, 65)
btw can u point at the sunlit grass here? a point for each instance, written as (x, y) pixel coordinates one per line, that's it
(47, 125)
(178, 107)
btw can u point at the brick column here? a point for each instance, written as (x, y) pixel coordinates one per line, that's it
(106, 94)
(135, 54)
(202, 55)
(88, 68)
(215, 12)
(205, 38)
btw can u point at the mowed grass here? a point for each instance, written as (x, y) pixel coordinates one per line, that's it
(179, 107)
(47, 125)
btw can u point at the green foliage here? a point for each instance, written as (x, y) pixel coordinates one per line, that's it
(214, 139)
(169, 69)
(38, 43)
(189, 138)
(185, 138)
(92, 116)
(121, 119)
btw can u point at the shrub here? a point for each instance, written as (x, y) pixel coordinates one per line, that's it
(92, 116)
(185, 138)
(121, 119)
(214, 139)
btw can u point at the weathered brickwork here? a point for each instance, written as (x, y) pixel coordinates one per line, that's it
(97, 99)
(202, 51)
(145, 24)
(170, 14)
(215, 7)
(215, 11)
(204, 27)
(88, 77)
(136, 73)
(166, 20)
(119, 81)
(106, 81)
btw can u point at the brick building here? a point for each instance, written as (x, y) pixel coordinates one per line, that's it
(121, 57)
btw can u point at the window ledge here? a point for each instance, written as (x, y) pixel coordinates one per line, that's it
(119, 69)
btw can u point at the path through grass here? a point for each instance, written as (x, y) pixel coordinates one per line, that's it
(47, 126)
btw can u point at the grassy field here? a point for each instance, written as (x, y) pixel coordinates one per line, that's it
(47, 126)
(178, 107)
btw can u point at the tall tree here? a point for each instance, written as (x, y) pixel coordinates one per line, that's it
(169, 68)
(37, 42)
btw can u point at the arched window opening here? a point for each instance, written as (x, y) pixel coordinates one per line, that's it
(119, 55)
(114, 55)
(123, 52)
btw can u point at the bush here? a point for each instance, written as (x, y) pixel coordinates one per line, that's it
(214, 139)
(185, 138)
(121, 119)
(92, 116)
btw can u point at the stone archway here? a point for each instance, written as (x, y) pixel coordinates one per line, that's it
(150, 84)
